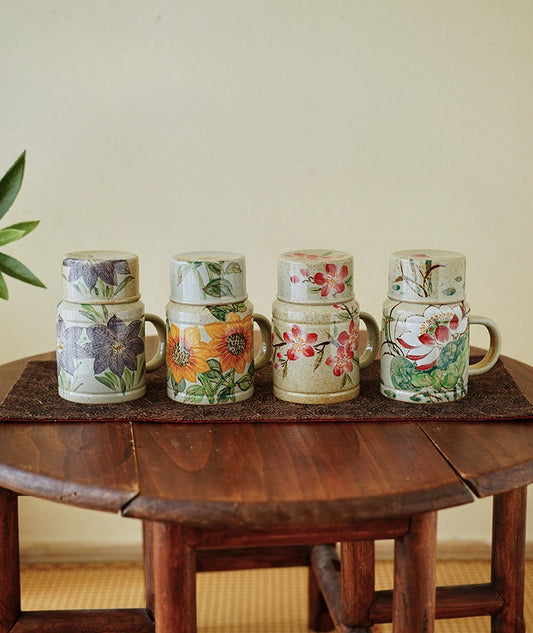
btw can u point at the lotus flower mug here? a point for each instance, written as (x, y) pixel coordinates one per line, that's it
(425, 345)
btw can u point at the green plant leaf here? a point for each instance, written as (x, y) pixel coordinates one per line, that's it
(12, 267)
(8, 235)
(11, 183)
(401, 370)
(245, 382)
(194, 393)
(215, 364)
(105, 381)
(219, 312)
(26, 227)
(214, 268)
(4, 293)
(218, 288)
(226, 394)
(233, 267)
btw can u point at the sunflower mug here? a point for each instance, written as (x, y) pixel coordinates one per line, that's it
(210, 333)
(100, 329)
(425, 345)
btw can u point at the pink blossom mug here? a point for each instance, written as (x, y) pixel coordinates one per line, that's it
(315, 329)
(425, 332)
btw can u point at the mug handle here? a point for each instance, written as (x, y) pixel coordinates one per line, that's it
(372, 342)
(159, 357)
(495, 343)
(265, 351)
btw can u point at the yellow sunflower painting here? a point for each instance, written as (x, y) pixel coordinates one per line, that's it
(186, 354)
(232, 342)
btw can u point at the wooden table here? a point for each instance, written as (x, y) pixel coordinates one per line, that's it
(216, 496)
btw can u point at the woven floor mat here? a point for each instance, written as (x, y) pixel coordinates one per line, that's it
(250, 601)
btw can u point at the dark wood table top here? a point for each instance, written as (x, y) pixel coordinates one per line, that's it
(265, 475)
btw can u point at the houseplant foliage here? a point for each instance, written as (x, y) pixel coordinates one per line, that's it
(9, 188)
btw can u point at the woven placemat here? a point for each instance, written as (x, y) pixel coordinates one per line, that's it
(492, 396)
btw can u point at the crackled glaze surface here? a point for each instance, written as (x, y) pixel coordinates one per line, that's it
(315, 328)
(315, 276)
(208, 278)
(100, 329)
(210, 338)
(100, 277)
(430, 276)
(425, 329)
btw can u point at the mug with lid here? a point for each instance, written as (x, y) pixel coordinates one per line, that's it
(315, 329)
(425, 333)
(100, 329)
(211, 357)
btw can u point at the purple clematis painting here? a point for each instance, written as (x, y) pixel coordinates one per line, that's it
(90, 272)
(69, 351)
(115, 345)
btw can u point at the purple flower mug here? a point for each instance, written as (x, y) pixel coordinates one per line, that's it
(100, 329)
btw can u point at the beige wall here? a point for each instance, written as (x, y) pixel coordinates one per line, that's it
(265, 125)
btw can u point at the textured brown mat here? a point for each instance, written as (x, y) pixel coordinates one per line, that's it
(492, 396)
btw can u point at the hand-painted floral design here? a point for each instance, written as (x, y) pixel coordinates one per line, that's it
(417, 277)
(298, 344)
(218, 369)
(330, 282)
(350, 338)
(312, 256)
(210, 277)
(304, 275)
(110, 352)
(342, 361)
(187, 354)
(425, 356)
(68, 351)
(106, 271)
(426, 336)
(115, 346)
(232, 342)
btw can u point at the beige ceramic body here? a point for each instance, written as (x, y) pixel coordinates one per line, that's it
(316, 351)
(315, 328)
(211, 357)
(425, 329)
(101, 329)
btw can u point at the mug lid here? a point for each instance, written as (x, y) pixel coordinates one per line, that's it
(427, 276)
(208, 278)
(100, 276)
(315, 276)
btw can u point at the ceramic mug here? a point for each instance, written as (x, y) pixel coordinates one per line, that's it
(100, 329)
(315, 329)
(425, 333)
(211, 357)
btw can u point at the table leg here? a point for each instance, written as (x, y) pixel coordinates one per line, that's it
(508, 559)
(319, 619)
(174, 580)
(414, 595)
(148, 567)
(357, 584)
(9, 560)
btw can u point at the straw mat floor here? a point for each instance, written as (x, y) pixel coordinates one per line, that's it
(251, 601)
